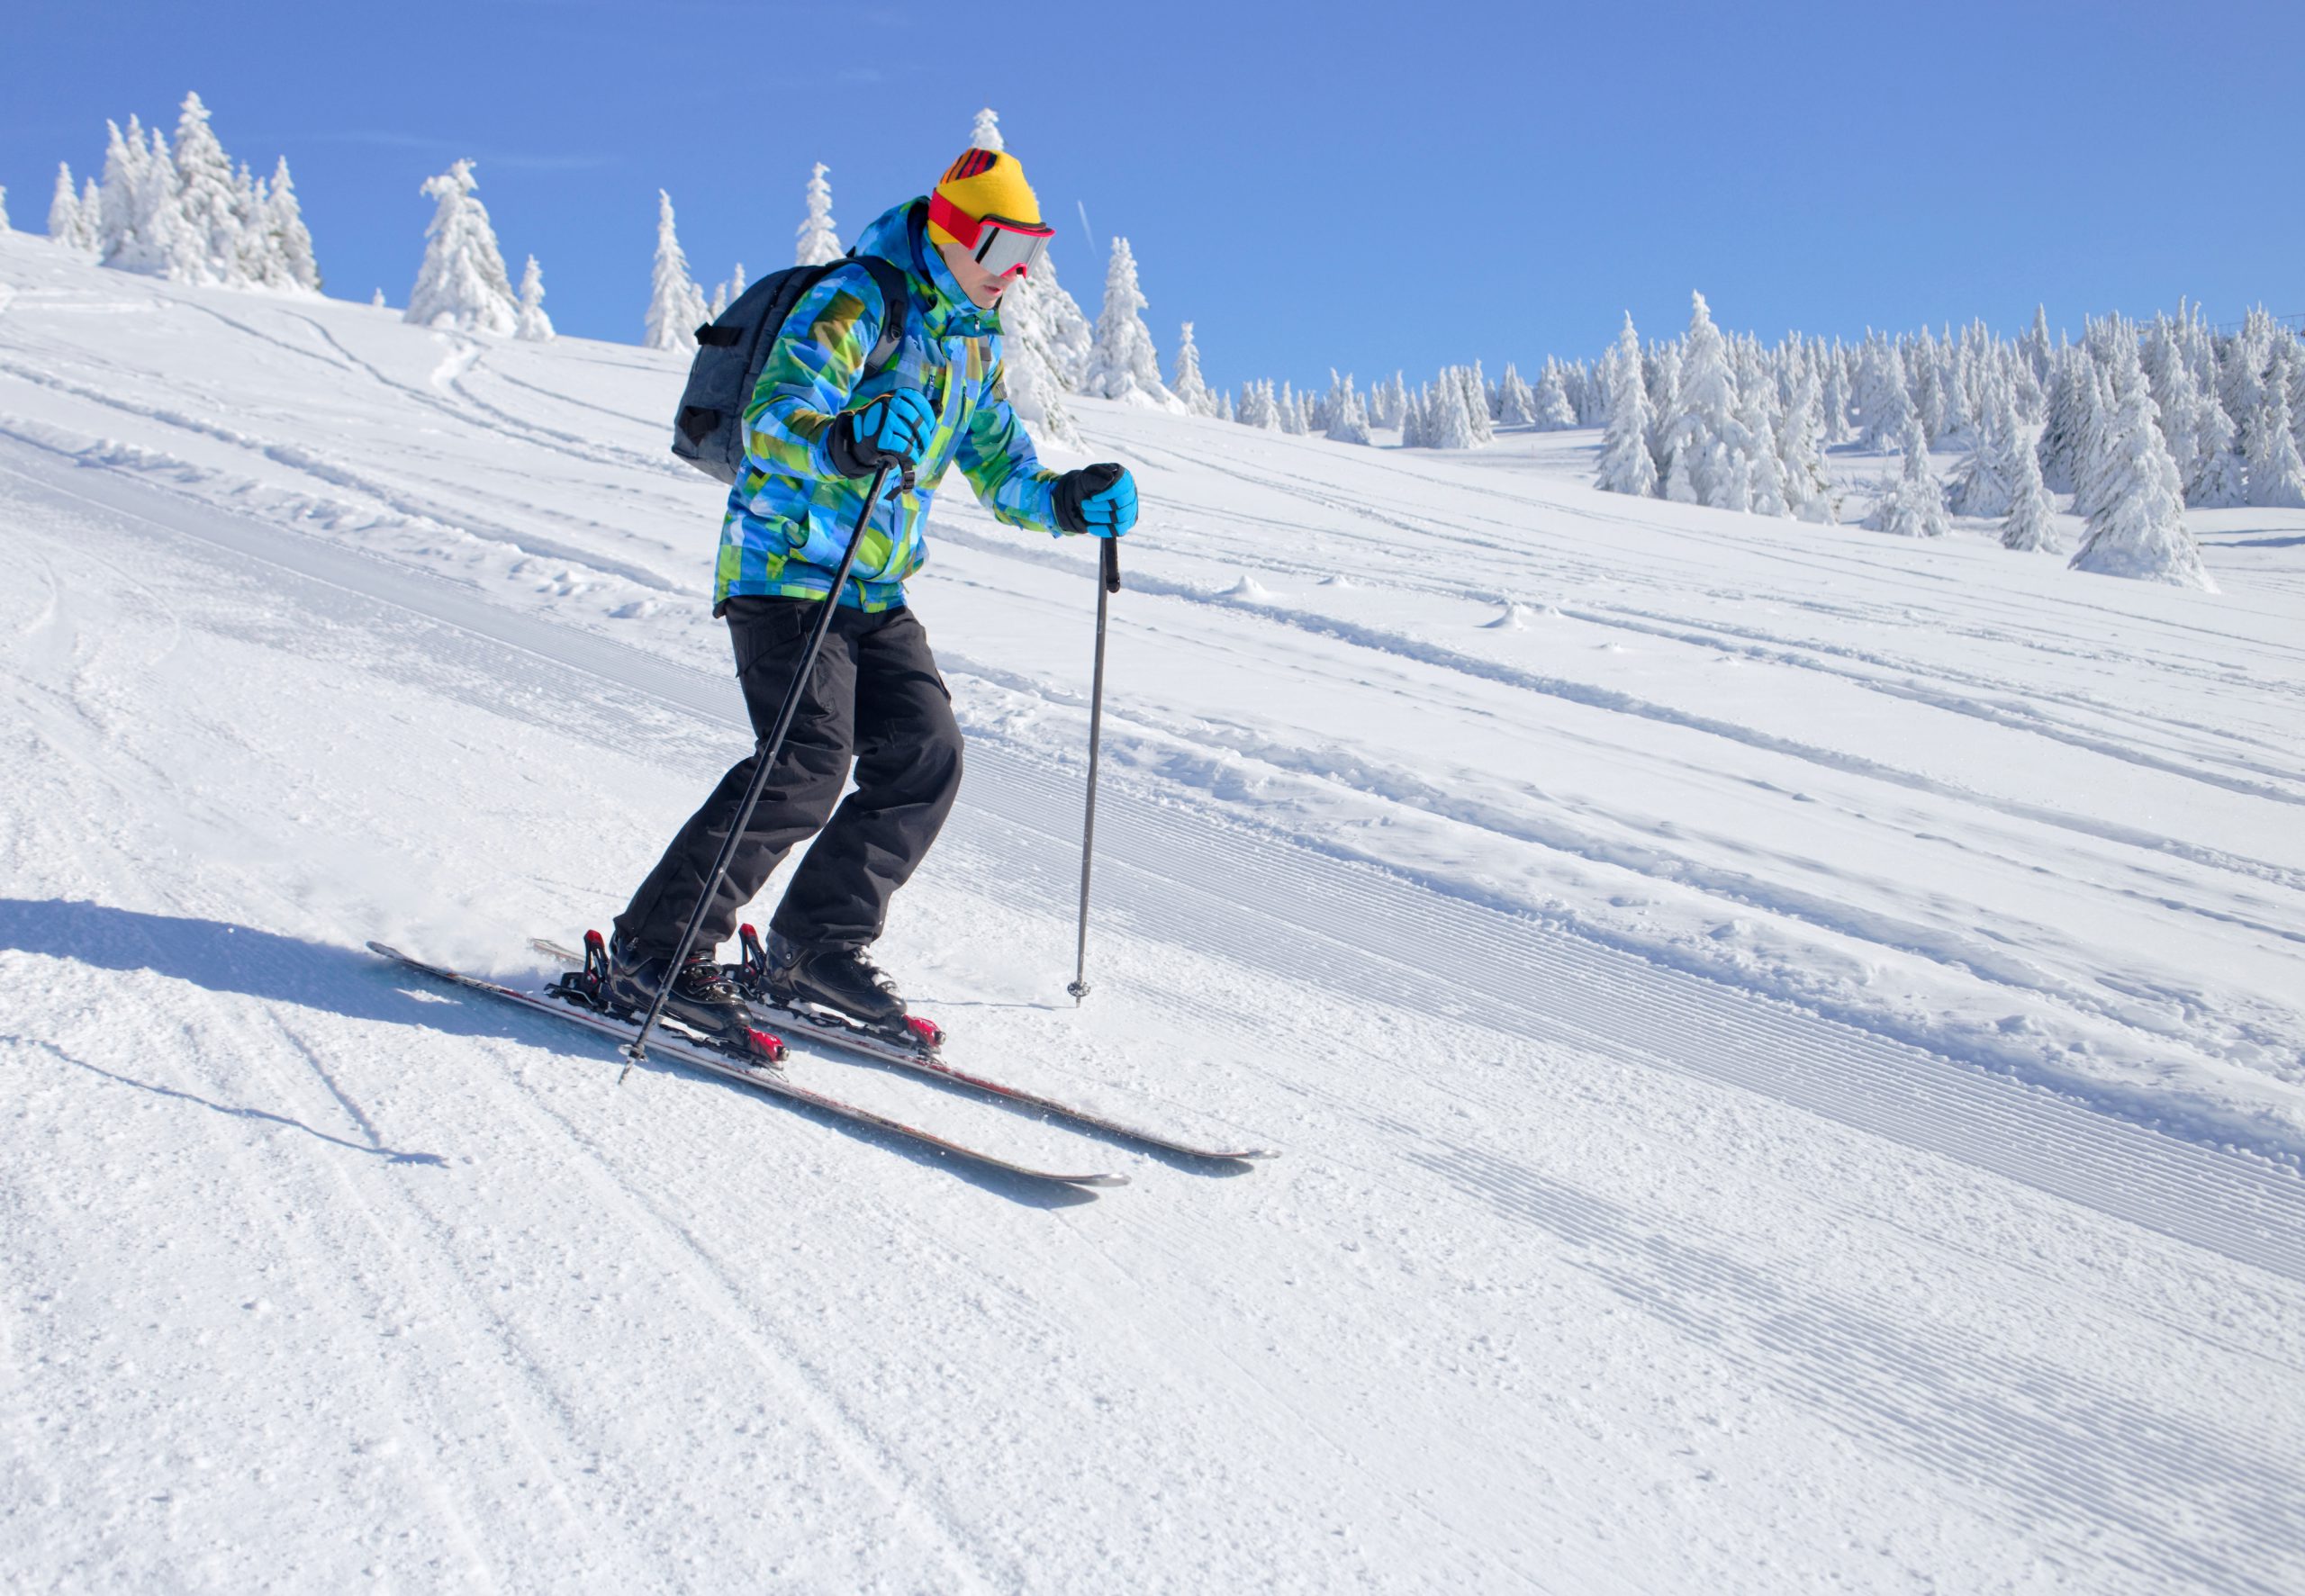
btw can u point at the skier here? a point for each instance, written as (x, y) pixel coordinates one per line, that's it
(816, 430)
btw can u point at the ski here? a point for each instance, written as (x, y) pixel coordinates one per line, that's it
(801, 1025)
(699, 1055)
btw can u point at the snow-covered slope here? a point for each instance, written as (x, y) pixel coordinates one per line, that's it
(1788, 1042)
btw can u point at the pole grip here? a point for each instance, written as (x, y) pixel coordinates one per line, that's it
(1110, 554)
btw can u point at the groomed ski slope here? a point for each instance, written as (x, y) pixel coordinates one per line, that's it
(1785, 1043)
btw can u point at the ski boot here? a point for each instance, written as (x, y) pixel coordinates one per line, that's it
(834, 984)
(703, 999)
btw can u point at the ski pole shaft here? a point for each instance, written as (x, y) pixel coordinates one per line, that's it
(763, 760)
(1107, 584)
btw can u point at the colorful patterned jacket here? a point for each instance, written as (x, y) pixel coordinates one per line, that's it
(790, 513)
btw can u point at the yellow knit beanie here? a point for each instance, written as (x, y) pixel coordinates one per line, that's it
(987, 183)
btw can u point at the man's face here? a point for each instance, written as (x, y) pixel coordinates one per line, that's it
(983, 288)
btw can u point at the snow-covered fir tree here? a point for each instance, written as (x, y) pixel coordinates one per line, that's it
(1626, 464)
(2138, 528)
(1702, 431)
(2273, 466)
(66, 224)
(1914, 506)
(2276, 474)
(1188, 384)
(288, 254)
(677, 304)
(818, 237)
(534, 325)
(1448, 419)
(1388, 402)
(1123, 364)
(1292, 417)
(1801, 452)
(1476, 394)
(1033, 366)
(3, 211)
(1985, 483)
(2218, 480)
(207, 244)
(462, 284)
(1756, 447)
(2031, 522)
(1347, 417)
(985, 132)
(136, 225)
(1516, 402)
(1551, 402)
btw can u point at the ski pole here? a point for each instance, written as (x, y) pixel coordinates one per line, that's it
(1108, 584)
(636, 1051)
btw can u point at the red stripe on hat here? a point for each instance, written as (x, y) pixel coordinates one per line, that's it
(970, 164)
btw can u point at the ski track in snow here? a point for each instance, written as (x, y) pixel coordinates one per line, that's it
(1585, 1268)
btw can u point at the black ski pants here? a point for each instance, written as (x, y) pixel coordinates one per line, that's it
(874, 695)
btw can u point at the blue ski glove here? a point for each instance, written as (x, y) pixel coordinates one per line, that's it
(1098, 499)
(892, 429)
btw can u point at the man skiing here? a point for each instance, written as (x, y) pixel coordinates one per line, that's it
(817, 429)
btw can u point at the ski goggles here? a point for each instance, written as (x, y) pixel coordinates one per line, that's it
(1006, 248)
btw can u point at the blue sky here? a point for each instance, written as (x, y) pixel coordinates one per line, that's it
(1366, 187)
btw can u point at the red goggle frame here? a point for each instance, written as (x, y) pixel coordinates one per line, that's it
(1006, 248)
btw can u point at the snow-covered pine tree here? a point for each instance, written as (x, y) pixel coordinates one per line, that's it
(1348, 419)
(1447, 424)
(2072, 377)
(208, 244)
(1832, 398)
(1756, 445)
(291, 240)
(1552, 407)
(677, 304)
(1189, 386)
(1476, 390)
(1032, 368)
(1915, 506)
(1985, 484)
(1626, 466)
(1123, 364)
(1516, 403)
(2031, 521)
(377, 301)
(2276, 473)
(2036, 348)
(1661, 366)
(984, 133)
(2138, 527)
(2219, 480)
(1225, 407)
(819, 236)
(137, 220)
(534, 325)
(1292, 418)
(1415, 403)
(65, 225)
(1887, 401)
(1800, 446)
(1708, 399)
(462, 284)
(3, 211)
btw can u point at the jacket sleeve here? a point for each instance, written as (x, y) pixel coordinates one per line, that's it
(809, 375)
(996, 454)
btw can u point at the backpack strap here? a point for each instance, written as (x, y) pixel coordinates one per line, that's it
(896, 305)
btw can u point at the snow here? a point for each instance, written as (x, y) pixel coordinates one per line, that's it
(1787, 1042)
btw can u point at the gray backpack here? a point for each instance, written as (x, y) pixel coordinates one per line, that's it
(709, 429)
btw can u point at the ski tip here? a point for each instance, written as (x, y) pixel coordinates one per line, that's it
(1099, 1180)
(386, 950)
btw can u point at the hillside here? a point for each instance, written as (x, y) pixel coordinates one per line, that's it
(1787, 1042)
